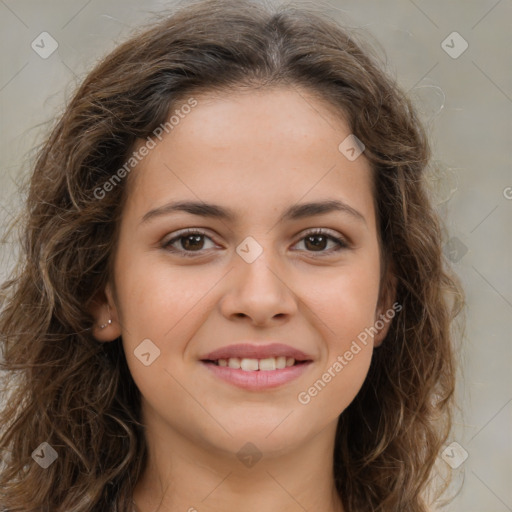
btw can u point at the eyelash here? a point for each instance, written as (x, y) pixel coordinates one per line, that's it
(342, 243)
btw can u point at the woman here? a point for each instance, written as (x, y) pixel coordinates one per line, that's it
(232, 292)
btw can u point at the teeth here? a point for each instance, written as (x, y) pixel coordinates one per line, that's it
(234, 362)
(280, 362)
(250, 365)
(268, 364)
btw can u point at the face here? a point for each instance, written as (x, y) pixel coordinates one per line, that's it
(259, 269)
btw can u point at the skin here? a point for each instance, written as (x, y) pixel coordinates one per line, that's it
(257, 153)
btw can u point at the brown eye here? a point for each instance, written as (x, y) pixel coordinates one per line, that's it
(317, 241)
(192, 242)
(187, 243)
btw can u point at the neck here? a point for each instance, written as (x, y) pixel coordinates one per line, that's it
(182, 475)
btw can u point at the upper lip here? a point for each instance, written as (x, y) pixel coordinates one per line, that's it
(252, 351)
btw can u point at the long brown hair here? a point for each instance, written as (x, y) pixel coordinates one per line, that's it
(65, 388)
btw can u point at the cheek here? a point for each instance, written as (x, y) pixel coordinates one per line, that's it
(166, 306)
(345, 300)
(332, 390)
(156, 298)
(346, 314)
(345, 307)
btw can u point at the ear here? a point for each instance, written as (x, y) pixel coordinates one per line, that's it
(385, 310)
(106, 325)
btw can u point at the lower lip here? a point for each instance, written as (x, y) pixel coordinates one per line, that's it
(258, 379)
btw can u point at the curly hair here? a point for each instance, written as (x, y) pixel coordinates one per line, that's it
(63, 387)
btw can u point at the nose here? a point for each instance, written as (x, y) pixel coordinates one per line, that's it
(259, 292)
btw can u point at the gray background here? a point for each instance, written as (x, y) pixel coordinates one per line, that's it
(467, 105)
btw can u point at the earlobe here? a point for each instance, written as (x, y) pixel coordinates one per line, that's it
(385, 311)
(382, 331)
(106, 325)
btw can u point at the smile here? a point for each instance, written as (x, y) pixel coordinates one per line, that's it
(257, 374)
(251, 364)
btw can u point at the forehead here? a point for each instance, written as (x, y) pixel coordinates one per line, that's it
(253, 149)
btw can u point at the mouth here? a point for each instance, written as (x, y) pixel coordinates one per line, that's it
(249, 364)
(252, 374)
(257, 367)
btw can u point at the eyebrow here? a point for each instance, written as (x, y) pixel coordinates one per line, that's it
(295, 212)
